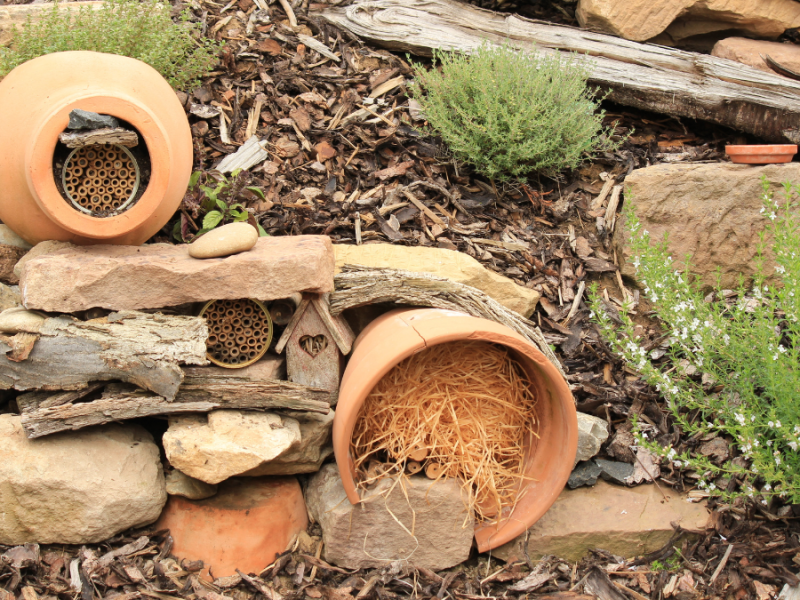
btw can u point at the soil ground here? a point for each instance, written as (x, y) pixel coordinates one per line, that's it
(335, 165)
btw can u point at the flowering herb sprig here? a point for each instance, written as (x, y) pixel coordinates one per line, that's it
(732, 364)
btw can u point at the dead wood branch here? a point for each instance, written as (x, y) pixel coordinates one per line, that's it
(359, 286)
(129, 346)
(118, 136)
(645, 76)
(44, 414)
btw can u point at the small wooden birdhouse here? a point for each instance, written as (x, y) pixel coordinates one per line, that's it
(316, 343)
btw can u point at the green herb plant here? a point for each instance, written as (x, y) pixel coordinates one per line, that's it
(142, 29)
(217, 203)
(509, 112)
(733, 367)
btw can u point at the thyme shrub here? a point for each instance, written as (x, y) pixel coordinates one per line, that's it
(510, 112)
(141, 29)
(733, 365)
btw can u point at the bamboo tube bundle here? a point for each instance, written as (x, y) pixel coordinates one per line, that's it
(239, 332)
(100, 178)
(467, 409)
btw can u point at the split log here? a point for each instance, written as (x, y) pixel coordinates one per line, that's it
(359, 286)
(14, 16)
(108, 135)
(129, 346)
(646, 76)
(47, 413)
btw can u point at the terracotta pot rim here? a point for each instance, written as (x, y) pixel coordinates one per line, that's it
(761, 149)
(43, 145)
(366, 368)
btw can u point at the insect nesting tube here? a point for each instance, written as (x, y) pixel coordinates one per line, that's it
(239, 332)
(466, 408)
(101, 179)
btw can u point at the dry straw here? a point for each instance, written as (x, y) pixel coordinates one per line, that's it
(464, 409)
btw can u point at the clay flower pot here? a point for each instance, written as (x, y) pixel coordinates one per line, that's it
(399, 334)
(761, 154)
(36, 99)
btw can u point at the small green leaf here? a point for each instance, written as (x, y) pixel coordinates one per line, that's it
(176, 232)
(257, 192)
(212, 219)
(261, 231)
(222, 206)
(194, 179)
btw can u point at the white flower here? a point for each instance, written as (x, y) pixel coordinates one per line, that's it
(780, 269)
(778, 424)
(767, 487)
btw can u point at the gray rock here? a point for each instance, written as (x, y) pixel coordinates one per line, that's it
(586, 473)
(592, 432)
(9, 238)
(179, 484)
(307, 455)
(84, 119)
(614, 471)
(9, 297)
(79, 487)
(371, 535)
(228, 443)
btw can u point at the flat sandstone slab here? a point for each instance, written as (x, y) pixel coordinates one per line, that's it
(627, 522)
(160, 275)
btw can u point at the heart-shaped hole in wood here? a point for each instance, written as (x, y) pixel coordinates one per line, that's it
(313, 344)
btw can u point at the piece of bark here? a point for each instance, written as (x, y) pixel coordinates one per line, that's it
(36, 400)
(360, 286)
(9, 256)
(200, 393)
(129, 346)
(645, 76)
(117, 135)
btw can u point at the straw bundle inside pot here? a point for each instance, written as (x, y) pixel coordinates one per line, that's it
(464, 409)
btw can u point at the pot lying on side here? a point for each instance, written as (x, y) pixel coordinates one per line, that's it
(397, 335)
(36, 99)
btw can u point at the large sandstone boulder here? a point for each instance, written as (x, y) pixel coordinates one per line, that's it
(627, 522)
(751, 53)
(160, 275)
(78, 487)
(457, 266)
(379, 530)
(641, 20)
(711, 211)
(225, 443)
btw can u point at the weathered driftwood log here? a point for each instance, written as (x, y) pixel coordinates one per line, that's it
(14, 16)
(118, 136)
(46, 413)
(129, 346)
(646, 76)
(359, 286)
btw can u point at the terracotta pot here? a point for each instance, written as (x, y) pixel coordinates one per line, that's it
(36, 99)
(761, 154)
(244, 526)
(399, 334)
